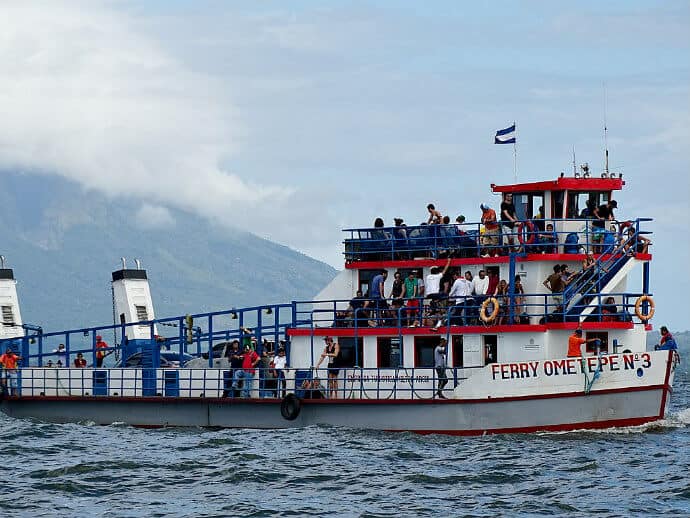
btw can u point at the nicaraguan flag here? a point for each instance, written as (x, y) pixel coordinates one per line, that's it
(505, 136)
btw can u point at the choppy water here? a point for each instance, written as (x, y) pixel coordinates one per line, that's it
(78, 470)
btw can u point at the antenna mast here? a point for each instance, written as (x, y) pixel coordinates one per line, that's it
(574, 164)
(606, 143)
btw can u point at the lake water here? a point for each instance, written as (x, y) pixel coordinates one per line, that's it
(79, 470)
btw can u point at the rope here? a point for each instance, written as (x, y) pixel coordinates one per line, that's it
(589, 382)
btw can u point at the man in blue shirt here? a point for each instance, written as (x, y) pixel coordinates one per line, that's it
(377, 300)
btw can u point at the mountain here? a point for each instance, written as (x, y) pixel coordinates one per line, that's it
(64, 242)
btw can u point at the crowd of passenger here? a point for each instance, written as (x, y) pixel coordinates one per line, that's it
(244, 362)
(497, 234)
(448, 296)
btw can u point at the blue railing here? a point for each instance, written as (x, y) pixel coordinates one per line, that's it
(188, 335)
(466, 239)
(528, 308)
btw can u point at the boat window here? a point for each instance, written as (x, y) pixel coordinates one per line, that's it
(349, 356)
(388, 352)
(7, 315)
(424, 350)
(557, 204)
(591, 347)
(457, 351)
(142, 314)
(490, 348)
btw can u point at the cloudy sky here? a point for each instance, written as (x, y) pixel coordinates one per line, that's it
(295, 119)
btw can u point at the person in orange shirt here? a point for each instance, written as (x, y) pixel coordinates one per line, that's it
(491, 233)
(101, 346)
(9, 362)
(575, 343)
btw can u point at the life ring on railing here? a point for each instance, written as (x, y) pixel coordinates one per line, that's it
(530, 232)
(483, 310)
(290, 407)
(638, 308)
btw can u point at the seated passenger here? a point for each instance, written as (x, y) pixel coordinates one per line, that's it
(79, 361)
(667, 341)
(609, 311)
(636, 244)
(548, 240)
(378, 233)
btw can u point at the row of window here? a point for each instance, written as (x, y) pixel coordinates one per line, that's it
(389, 350)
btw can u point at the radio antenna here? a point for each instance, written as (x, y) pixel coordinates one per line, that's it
(606, 143)
(574, 164)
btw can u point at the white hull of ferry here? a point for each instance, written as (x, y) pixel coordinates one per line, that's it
(549, 395)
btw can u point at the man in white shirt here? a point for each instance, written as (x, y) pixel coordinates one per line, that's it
(480, 287)
(461, 292)
(433, 283)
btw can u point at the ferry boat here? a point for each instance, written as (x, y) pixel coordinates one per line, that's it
(475, 362)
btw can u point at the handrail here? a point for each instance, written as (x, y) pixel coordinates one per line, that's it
(465, 240)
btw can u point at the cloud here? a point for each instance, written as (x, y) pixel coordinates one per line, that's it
(89, 96)
(151, 216)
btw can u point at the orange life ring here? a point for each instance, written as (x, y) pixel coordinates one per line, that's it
(530, 232)
(638, 308)
(482, 311)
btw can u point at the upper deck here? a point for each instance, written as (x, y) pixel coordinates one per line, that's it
(553, 217)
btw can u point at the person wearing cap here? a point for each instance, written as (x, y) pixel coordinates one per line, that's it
(602, 214)
(491, 231)
(575, 343)
(9, 363)
(331, 353)
(101, 347)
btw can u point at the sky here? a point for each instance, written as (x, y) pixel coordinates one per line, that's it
(293, 120)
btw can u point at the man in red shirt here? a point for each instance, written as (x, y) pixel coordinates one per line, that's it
(9, 362)
(491, 233)
(575, 343)
(101, 347)
(246, 373)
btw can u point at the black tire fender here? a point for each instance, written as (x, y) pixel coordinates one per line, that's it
(290, 407)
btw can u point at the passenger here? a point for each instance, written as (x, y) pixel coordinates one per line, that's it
(460, 225)
(508, 219)
(539, 219)
(435, 217)
(667, 342)
(270, 381)
(636, 244)
(331, 353)
(575, 343)
(246, 373)
(470, 305)
(411, 284)
(398, 289)
(235, 358)
(491, 231)
(377, 297)
(266, 377)
(50, 364)
(503, 301)
(519, 294)
(602, 214)
(359, 314)
(433, 284)
(61, 354)
(317, 390)
(440, 353)
(9, 363)
(280, 364)
(101, 348)
(246, 335)
(555, 284)
(458, 295)
(609, 311)
(378, 233)
(79, 361)
(548, 240)
(480, 287)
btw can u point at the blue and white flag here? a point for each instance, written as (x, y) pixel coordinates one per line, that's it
(505, 136)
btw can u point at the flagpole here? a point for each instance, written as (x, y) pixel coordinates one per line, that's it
(515, 153)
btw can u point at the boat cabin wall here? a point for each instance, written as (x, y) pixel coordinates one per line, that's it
(11, 318)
